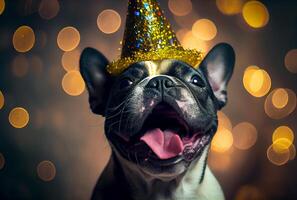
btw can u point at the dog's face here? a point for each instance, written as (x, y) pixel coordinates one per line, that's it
(160, 115)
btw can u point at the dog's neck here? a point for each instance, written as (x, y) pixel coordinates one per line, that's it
(125, 180)
(145, 186)
(185, 185)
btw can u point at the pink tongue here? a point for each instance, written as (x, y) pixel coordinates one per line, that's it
(165, 144)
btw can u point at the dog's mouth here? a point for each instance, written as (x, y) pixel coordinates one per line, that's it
(166, 138)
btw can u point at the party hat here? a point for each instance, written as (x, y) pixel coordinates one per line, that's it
(149, 37)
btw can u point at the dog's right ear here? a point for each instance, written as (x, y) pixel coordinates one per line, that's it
(93, 69)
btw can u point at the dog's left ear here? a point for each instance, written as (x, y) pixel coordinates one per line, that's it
(93, 69)
(218, 68)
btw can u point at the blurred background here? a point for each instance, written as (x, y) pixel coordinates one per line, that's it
(53, 147)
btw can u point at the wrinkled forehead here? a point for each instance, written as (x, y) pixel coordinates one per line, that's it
(161, 67)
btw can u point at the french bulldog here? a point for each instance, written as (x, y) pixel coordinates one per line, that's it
(160, 118)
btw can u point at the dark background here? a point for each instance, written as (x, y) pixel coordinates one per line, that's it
(64, 131)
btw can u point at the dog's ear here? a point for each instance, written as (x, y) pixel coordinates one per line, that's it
(93, 69)
(218, 66)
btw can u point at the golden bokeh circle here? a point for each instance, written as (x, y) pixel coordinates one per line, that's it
(181, 33)
(2, 6)
(255, 14)
(283, 132)
(180, 7)
(46, 170)
(204, 29)
(219, 162)
(260, 83)
(48, 9)
(278, 113)
(282, 144)
(70, 60)
(245, 135)
(2, 161)
(256, 81)
(280, 98)
(20, 66)
(2, 100)
(73, 83)
(189, 41)
(229, 7)
(278, 157)
(248, 72)
(68, 38)
(224, 121)
(222, 140)
(109, 21)
(291, 61)
(18, 117)
(23, 39)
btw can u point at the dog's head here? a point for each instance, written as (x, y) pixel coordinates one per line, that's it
(160, 115)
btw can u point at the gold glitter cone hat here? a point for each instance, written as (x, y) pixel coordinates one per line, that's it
(148, 37)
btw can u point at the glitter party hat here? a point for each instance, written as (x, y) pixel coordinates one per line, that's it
(148, 37)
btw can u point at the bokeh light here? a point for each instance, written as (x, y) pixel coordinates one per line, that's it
(73, 84)
(280, 98)
(68, 38)
(18, 117)
(2, 100)
(180, 34)
(276, 112)
(2, 6)
(191, 42)
(180, 7)
(247, 76)
(229, 7)
(283, 132)
(222, 140)
(46, 170)
(2, 161)
(224, 121)
(281, 144)
(219, 162)
(23, 39)
(249, 192)
(255, 14)
(20, 66)
(291, 61)
(245, 135)
(70, 60)
(256, 81)
(204, 29)
(109, 21)
(278, 157)
(48, 9)
(260, 83)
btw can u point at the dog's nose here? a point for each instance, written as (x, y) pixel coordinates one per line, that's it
(160, 82)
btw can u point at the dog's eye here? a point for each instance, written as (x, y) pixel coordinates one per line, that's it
(196, 80)
(126, 82)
